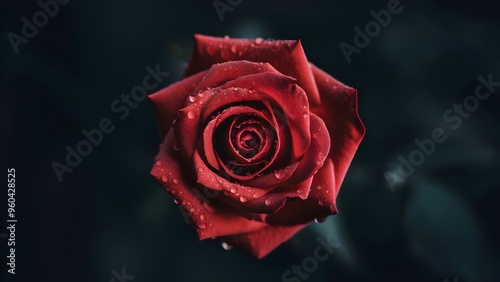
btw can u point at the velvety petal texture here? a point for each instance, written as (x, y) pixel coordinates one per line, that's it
(256, 141)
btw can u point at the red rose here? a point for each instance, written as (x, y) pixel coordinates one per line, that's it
(256, 141)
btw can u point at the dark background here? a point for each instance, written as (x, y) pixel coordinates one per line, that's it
(441, 223)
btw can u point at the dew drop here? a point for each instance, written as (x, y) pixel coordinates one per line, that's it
(305, 115)
(258, 41)
(201, 94)
(320, 219)
(226, 246)
(315, 135)
(243, 199)
(226, 37)
(234, 49)
(321, 203)
(191, 210)
(300, 191)
(202, 216)
(279, 174)
(202, 225)
(267, 202)
(192, 98)
(200, 169)
(175, 181)
(177, 201)
(158, 163)
(191, 114)
(255, 196)
(233, 190)
(320, 187)
(164, 179)
(176, 146)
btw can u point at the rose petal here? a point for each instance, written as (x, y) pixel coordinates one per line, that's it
(316, 153)
(287, 56)
(219, 74)
(262, 242)
(207, 221)
(339, 111)
(319, 203)
(168, 100)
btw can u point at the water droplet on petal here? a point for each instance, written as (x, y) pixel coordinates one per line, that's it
(255, 196)
(201, 94)
(158, 163)
(259, 41)
(243, 199)
(234, 49)
(226, 37)
(191, 210)
(192, 98)
(202, 216)
(191, 114)
(321, 203)
(202, 225)
(320, 219)
(279, 174)
(267, 202)
(233, 190)
(164, 179)
(320, 187)
(175, 181)
(226, 246)
(300, 191)
(200, 169)
(177, 201)
(305, 115)
(176, 146)
(315, 135)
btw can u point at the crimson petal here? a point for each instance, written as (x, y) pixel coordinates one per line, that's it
(319, 203)
(262, 242)
(287, 56)
(339, 111)
(167, 101)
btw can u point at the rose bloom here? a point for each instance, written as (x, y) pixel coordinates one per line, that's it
(256, 141)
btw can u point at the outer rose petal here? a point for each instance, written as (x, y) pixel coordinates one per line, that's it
(339, 111)
(167, 101)
(207, 221)
(287, 56)
(262, 242)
